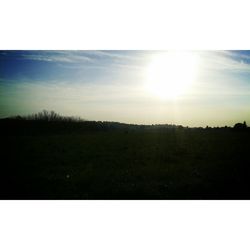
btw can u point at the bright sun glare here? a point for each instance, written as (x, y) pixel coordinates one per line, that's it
(171, 74)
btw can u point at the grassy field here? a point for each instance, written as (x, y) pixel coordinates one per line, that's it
(121, 164)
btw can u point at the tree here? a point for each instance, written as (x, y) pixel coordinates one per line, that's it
(240, 126)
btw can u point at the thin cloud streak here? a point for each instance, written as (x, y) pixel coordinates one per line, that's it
(224, 60)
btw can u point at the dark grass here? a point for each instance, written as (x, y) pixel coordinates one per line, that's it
(42, 162)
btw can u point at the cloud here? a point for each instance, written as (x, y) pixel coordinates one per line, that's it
(231, 61)
(83, 58)
(73, 56)
(56, 56)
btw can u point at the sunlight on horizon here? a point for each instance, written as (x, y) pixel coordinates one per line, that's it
(171, 74)
(194, 88)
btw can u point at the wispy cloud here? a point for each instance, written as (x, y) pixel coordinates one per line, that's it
(71, 56)
(225, 60)
(57, 56)
(89, 58)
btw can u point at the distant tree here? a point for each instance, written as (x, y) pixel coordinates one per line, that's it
(240, 126)
(18, 117)
(52, 116)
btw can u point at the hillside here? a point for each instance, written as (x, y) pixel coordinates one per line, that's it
(104, 160)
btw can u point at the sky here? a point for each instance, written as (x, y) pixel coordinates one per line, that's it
(191, 88)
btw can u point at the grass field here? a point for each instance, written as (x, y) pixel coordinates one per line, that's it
(121, 164)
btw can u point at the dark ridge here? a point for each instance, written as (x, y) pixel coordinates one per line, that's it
(50, 122)
(48, 156)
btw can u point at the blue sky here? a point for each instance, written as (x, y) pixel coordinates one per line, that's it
(110, 85)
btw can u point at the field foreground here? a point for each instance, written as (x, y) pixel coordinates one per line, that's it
(126, 164)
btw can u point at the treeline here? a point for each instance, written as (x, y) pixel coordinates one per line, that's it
(50, 122)
(48, 116)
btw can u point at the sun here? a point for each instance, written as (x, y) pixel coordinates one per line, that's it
(171, 74)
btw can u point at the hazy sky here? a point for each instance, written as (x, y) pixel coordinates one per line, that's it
(193, 88)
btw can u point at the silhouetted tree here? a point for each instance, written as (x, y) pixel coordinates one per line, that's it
(240, 126)
(52, 116)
